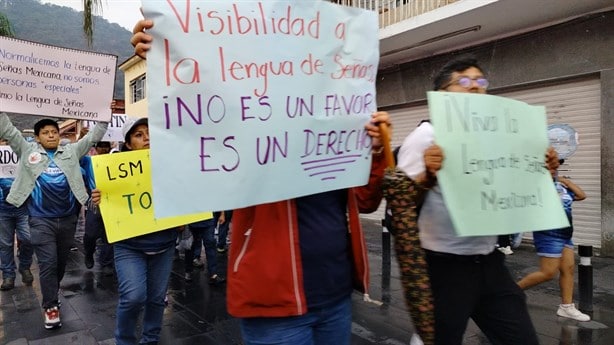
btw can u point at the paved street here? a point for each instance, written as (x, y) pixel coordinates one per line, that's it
(197, 315)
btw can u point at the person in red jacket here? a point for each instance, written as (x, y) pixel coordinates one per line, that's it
(293, 264)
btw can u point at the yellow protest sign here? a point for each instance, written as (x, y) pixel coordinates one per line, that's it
(124, 180)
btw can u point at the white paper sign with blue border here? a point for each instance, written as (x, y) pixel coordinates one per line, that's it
(9, 161)
(254, 102)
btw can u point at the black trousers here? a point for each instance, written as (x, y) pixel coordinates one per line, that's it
(94, 229)
(504, 240)
(479, 287)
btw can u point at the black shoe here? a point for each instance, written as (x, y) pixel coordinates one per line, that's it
(26, 277)
(216, 280)
(196, 263)
(89, 261)
(7, 284)
(107, 271)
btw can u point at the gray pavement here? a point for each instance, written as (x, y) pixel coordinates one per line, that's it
(197, 314)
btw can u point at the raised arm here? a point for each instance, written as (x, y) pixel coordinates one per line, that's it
(11, 134)
(578, 192)
(370, 195)
(84, 144)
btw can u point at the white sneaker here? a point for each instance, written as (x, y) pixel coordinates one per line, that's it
(570, 311)
(52, 318)
(506, 250)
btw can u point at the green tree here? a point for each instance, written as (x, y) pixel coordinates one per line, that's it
(91, 8)
(5, 26)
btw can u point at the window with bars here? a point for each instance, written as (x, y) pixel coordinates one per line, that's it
(137, 88)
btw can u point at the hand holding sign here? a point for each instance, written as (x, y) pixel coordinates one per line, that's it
(127, 203)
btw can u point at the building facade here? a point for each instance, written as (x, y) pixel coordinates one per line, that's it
(569, 68)
(135, 82)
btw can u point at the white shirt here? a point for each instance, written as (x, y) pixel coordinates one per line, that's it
(436, 227)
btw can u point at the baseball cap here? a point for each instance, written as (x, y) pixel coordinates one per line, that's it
(130, 124)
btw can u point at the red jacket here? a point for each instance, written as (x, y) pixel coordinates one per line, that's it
(265, 277)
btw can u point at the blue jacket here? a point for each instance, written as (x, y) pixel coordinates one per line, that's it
(33, 160)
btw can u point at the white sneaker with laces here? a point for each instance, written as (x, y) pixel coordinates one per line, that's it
(506, 250)
(52, 318)
(570, 311)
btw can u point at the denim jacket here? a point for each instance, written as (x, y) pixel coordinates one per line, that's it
(33, 160)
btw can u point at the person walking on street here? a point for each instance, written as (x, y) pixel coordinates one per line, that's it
(555, 249)
(468, 275)
(293, 264)
(94, 226)
(203, 234)
(222, 219)
(14, 223)
(143, 264)
(51, 184)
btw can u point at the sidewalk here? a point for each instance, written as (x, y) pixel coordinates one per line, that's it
(197, 311)
(543, 300)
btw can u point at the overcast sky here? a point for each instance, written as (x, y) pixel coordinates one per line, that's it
(123, 12)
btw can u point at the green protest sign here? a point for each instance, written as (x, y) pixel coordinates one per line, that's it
(493, 178)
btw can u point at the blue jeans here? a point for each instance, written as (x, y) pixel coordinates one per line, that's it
(14, 222)
(331, 325)
(550, 244)
(51, 239)
(205, 235)
(142, 283)
(222, 229)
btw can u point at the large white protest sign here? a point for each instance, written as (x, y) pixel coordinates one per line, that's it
(114, 130)
(8, 162)
(257, 101)
(40, 79)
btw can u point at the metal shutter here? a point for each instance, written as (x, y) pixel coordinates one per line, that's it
(575, 103)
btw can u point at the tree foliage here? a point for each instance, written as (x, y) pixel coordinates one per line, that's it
(5, 26)
(91, 8)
